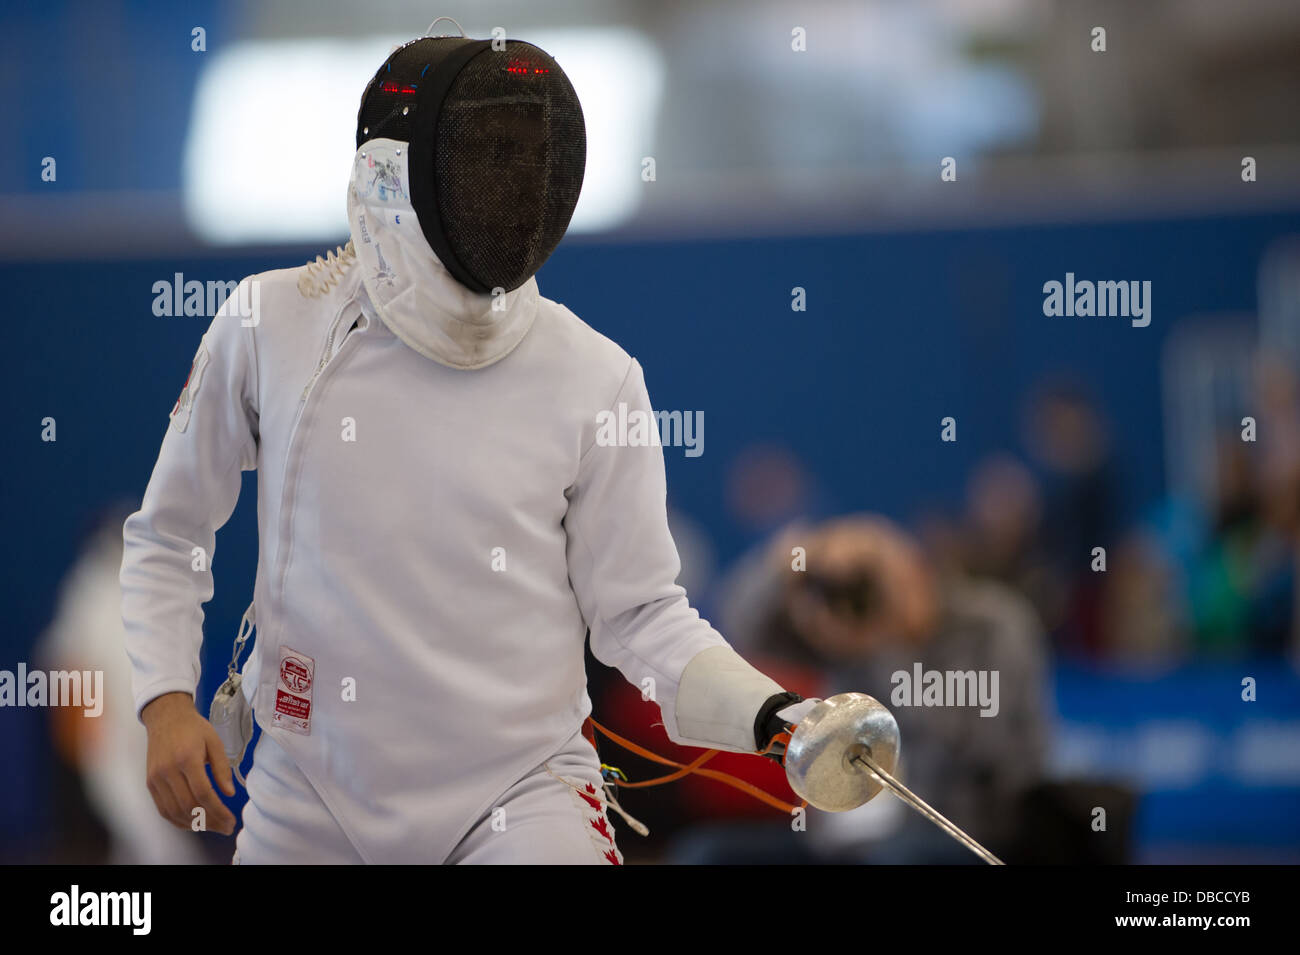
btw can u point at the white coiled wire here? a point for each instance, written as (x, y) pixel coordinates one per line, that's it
(326, 272)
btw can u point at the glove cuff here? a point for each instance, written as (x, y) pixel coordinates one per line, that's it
(767, 723)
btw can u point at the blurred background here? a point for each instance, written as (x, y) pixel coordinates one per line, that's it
(738, 152)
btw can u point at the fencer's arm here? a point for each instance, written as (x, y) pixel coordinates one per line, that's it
(192, 492)
(623, 566)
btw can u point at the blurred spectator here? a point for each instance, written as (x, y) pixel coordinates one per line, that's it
(945, 545)
(867, 607)
(1003, 537)
(1243, 585)
(1221, 584)
(767, 487)
(108, 752)
(1068, 437)
(768, 492)
(1219, 577)
(1275, 618)
(1141, 619)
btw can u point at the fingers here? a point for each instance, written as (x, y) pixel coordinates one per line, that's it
(180, 800)
(177, 792)
(218, 817)
(163, 798)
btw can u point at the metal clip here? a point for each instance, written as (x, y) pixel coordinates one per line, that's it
(246, 625)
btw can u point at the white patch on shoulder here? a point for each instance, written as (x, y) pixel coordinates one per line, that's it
(180, 416)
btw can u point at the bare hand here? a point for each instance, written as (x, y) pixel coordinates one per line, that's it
(181, 744)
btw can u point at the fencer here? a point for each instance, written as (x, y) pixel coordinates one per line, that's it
(438, 525)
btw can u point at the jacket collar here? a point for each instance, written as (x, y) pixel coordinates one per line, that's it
(411, 291)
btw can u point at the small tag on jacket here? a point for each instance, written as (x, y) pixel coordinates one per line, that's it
(293, 692)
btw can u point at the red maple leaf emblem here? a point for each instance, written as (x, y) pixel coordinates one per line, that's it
(612, 857)
(593, 802)
(602, 826)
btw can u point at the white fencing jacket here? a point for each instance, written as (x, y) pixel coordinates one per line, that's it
(437, 539)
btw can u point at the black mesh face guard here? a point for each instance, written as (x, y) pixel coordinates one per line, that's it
(498, 148)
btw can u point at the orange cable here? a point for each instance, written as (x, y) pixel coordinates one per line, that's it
(684, 769)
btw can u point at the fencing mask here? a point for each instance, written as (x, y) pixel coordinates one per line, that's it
(496, 151)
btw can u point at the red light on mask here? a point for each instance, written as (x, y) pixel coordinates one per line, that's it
(391, 87)
(523, 67)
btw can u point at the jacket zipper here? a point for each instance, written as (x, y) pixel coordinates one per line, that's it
(326, 355)
(290, 474)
